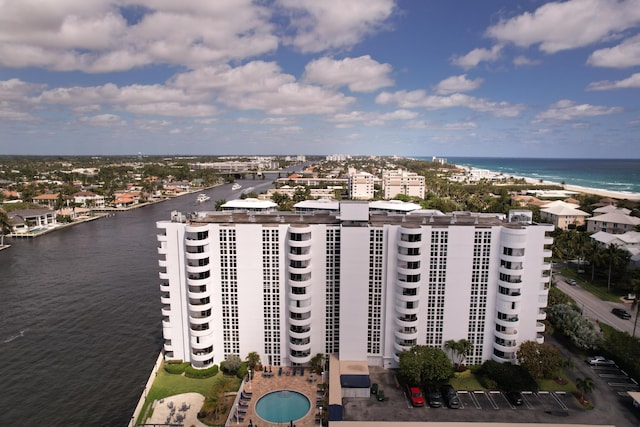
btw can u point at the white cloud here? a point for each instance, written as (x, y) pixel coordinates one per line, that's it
(557, 26)
(261, 85)
(626, 54)
(565, 110)
(334, 24)
(361, 74)
(522, 61)
(476, 56)
(372, 118)
(103, 120)
(457, 84)
(632, 82)
(429, 125)
(94, 36)
(419, 98)
(175, 109)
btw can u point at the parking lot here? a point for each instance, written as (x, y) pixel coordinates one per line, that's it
(493, 406)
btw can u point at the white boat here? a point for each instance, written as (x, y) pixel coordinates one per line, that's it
(236, 186)
(202, 198)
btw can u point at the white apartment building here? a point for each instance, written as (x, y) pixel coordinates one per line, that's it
(357, 284)
(361, 185)
(402, 182)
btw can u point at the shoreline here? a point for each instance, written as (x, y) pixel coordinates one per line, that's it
(618, 195)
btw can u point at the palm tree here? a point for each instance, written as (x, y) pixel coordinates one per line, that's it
(465, 347)
(317, 363)
(584, 386)
(452, 346)
(253, 360)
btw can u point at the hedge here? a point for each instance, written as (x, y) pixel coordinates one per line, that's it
(192, 372)
(176, 367)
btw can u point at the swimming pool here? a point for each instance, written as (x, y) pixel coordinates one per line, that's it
(282, 406)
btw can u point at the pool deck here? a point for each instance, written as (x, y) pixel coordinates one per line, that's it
(259, 386)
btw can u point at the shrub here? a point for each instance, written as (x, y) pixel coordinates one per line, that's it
(243, 370)
(175, 367)
(192, 372)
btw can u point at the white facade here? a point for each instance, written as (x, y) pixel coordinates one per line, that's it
(402, 182)
(362, 285)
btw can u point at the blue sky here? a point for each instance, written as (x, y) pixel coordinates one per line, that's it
(381, 77)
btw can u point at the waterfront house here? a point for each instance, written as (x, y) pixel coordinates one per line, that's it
(88, 198)
(25, 220)
(48, 200)
(615, 222)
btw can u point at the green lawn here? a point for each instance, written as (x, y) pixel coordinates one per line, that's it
(166, 385)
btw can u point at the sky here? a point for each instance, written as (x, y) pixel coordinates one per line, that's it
(491, 78)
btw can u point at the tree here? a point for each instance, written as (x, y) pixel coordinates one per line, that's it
(571, 324)
(253, 360)
(219, 204)
(317, 363)
(5, 226)
(423, 364)
(232, 364)
(618, 258)
(541, 360)
(584, 385)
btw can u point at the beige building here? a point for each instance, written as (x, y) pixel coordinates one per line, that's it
(361, 185)
(615, 222)
(563, 214)
(402, 182)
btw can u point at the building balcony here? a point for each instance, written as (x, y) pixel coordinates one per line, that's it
(300, 360)
(404, 244)
(166, 324)
(540, 327)
(204, 343)
(166, 310)
(547, 241)
(162, 250)
(502, 357)
(164, 287)
(510, 296)
(167, 347)
(165, 299)
(197, 269)
(400, 348)
(540, 339)
(402, 310)
(300, 345)
(300, 333)
(201, 356)
(510, 271)
(406, 334)
(511, 322)
(197, 292)
(299, 297)
(196, 255)
(299, 257)
(299, 243)
(301, 322)
(163, 275)
(196, 307)
(300, 270)
(195, 281)
(542, 315)
(400, 296)
(199, 319)
(161, 237)
(505, 346)
(510, 334)
(162, 263)
(407, 258)
(546, 266)
(546, 253)
(201, 333)
(406, 321)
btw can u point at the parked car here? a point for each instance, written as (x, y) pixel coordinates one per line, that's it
(599, 360)
(572, 282)
(415, 395)
(374, 388)
(450, 396)
(433, 396)
(621, 313)
(515, 397)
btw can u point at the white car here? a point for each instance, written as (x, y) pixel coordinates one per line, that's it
(599, 360)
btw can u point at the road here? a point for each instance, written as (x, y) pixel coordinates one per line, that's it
(595, 309)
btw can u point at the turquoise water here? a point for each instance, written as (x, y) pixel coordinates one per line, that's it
(607, 174)
(282, 406)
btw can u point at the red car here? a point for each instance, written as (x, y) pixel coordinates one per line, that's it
(415, 395)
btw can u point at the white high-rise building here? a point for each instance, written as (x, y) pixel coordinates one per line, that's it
(361, 285)
(402, 182)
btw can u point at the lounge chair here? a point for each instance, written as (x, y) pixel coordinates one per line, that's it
(243, 404)
(295, 371)
(280, 371)
(302, 372)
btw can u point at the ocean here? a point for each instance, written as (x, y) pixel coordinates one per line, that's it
(621, 175)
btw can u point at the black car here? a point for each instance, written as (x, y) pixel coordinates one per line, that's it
(450, 396)
(621, 313)
(433, 396)
(515, 397)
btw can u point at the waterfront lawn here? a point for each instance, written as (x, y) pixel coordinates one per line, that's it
(166, 385)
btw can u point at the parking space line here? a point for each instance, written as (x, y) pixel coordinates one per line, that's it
(526, 399)
(557, 399)
(475, 399)
(490, 399)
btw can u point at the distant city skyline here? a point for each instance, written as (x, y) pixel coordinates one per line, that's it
(381, 77)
